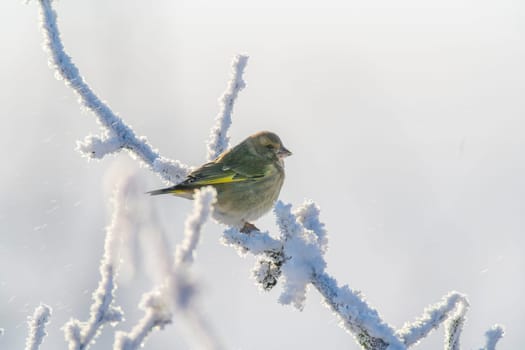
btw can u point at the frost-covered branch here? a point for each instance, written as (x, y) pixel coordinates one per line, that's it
(116, 134)
(37, 327)
(178, 290)
(202, 208)
(157, 315)
(297, 257)
(454, 324)
(432, 317)
(492, 336)
(355, 315)
(183, 289)
(79, 335)
(219, 139)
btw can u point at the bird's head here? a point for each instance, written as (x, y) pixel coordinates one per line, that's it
(269, 145)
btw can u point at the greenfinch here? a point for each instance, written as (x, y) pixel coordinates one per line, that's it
(247, 178)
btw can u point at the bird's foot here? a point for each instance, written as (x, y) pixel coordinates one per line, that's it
(247, 228)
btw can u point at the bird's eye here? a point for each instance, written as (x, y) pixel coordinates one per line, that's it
(270, 147)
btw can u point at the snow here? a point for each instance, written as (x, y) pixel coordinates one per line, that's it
(432, 317)
(492, 336)
(202, 209)
(454, 327)
(302, 252)
(116, 134)
(177, 293)
(81, 334)
(308, 216)
(254, 242)
(219, 140)
(37, 324)
(157, 315)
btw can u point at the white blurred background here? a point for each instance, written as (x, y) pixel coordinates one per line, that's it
(406, 119)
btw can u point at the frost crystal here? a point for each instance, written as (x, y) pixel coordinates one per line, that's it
(219, 139)
(37, 324)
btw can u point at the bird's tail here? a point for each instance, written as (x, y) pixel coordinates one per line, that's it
(174, 190)
(162, 191)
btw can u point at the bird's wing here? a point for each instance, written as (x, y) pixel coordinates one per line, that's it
(214, 173)
(221, 171)
(244, 163)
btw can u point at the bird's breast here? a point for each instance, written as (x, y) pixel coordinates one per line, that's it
(246, 201)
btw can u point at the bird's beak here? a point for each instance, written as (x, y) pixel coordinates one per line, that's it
(283, 152)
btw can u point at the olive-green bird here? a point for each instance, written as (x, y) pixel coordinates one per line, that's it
(247, 178)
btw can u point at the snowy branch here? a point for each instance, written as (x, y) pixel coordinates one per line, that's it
(116, 134)
(432, 317)
(201, 212)
(298, 256)
(79, 335)
(492, 336)
(219, 139)
(157, 315)
(454, 325)
(295, 257)
(178, 291)
(37, 324)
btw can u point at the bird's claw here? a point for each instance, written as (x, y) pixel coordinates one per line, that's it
(248, 228)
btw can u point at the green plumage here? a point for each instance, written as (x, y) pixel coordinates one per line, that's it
(247, 178)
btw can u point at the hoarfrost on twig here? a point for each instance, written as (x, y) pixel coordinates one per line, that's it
(219, 139)
(454, 325)
(156, 316)
(37, 327)
(492, 336)
(116, 134)
(202, 209)
(178, 291)
(432, 317)
(79, 335)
